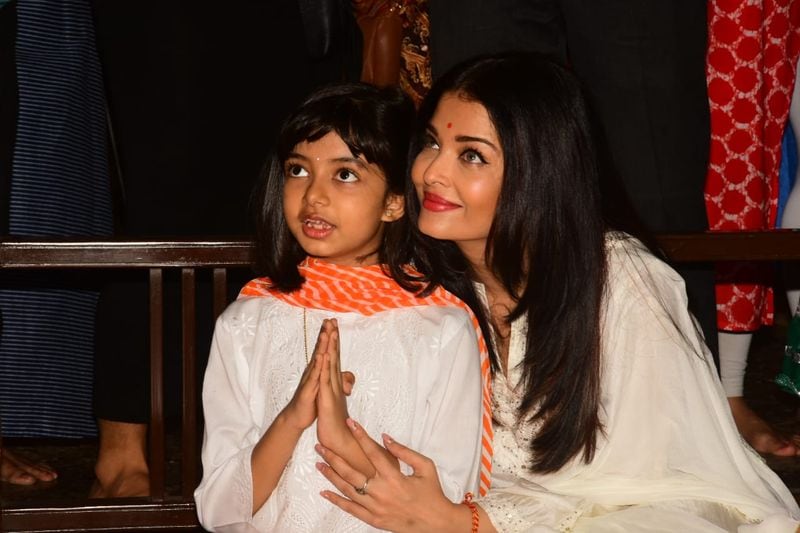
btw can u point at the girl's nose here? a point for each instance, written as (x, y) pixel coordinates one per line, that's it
(316, 193)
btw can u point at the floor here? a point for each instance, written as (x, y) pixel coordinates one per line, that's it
(74, 462)
(74, 459)
(777, 407)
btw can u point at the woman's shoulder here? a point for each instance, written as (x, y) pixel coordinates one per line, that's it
(628, 256)
(635, 276)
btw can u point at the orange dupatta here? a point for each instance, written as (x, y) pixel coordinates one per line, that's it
(368, 290)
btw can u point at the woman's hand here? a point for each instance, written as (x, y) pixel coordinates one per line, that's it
(332, 429)
(301, 411)
(391, 500)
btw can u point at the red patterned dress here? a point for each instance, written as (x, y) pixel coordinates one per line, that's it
(752, 55)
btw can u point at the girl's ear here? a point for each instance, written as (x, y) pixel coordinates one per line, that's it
(394, 209)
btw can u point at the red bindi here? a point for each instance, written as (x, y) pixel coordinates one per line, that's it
(449, 125)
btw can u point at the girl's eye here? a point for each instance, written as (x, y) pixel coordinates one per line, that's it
(471, 155)
(296, 171)
(347, 176)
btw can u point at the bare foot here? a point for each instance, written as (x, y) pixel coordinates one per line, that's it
(19, 471)
(125, 485)
(121, 469)
(758, 433)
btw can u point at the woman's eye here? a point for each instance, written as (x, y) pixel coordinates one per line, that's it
(296, 171)
(473, 156)
(430, 143)
(347, 176)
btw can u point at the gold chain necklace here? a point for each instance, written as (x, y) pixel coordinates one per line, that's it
(305, 334)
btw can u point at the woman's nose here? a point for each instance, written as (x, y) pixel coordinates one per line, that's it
(434, 170)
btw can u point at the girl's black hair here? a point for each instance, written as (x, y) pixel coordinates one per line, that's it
(547, 241)
(375, 122)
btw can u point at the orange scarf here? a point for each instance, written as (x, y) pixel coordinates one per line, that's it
(367, 290)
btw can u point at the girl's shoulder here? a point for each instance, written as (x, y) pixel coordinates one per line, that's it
(251, 300)
(256, 287)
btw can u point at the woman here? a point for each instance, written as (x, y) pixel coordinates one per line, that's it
(609, 415)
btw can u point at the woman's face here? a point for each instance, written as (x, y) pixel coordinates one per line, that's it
(458, 175)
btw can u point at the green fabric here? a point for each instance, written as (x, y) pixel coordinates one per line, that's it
(789, 378)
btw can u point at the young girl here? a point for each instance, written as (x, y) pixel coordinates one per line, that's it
(334, 244)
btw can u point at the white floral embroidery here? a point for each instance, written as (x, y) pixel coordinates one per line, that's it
(403, 360)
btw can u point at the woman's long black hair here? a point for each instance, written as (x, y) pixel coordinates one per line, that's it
(547, 241)
(376, 122)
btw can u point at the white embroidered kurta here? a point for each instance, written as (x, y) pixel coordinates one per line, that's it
(417, 378)
(672, 459)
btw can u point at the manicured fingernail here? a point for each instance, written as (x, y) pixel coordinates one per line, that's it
(387, 439)
(325, 495)
(352, 424)
(321, 466)
(320, 449)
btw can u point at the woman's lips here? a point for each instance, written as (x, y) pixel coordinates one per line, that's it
(433, 202)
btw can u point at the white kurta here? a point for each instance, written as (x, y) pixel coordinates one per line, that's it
(417, 378)
(672, 458)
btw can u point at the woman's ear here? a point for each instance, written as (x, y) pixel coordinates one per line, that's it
(395, 208)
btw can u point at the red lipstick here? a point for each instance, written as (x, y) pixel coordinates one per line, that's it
(434, 202)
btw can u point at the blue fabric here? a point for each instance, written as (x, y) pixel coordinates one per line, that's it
(59, 187)
(788, 169)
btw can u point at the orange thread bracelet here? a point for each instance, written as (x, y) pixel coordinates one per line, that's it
(474, 509)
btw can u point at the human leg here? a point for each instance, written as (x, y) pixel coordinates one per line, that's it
(121, 469)
(742, 185)
(733, 352)
(121, 394)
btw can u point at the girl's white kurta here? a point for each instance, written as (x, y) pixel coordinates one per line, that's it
(671, 458)
(417, 378)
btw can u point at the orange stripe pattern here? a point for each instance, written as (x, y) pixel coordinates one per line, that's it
(367, 290)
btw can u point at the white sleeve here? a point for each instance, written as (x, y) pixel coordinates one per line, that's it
(451, 435)
(225, 495)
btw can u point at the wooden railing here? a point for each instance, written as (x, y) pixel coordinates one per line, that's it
(162, 511)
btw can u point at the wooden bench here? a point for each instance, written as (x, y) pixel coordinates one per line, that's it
(168, 512)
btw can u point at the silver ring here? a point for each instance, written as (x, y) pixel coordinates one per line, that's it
(363, 488)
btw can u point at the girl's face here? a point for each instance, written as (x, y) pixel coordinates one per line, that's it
(335, 204)
(458, 175)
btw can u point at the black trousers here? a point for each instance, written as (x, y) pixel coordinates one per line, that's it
(643, 65)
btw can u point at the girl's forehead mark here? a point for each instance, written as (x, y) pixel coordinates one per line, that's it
(449, 125)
